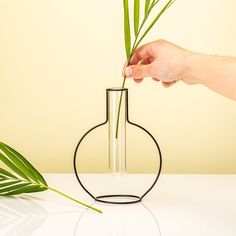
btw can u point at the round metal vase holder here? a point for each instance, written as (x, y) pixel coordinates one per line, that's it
(105, 198)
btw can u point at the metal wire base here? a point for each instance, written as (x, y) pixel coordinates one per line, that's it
(134, 199)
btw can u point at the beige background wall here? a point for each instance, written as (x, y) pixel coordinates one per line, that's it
(57, 57)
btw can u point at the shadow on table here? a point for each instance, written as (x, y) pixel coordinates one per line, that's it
(122, 220)
(21, 217)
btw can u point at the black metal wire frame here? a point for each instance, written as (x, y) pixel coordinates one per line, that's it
(134, 198)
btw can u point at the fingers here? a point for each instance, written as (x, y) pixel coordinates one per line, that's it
(165, 84)
(123, 69)
(168, 84)
(142, 53)
(155, 79)
(138, 80)
(143, 62)
(142, 56)
(140, 71)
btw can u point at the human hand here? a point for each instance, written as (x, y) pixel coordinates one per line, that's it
(161, 60)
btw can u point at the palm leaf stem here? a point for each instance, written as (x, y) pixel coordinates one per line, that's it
(52, 189)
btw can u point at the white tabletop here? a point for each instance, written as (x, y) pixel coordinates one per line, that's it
(178, 205)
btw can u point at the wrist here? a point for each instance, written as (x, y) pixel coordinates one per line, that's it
(192, 62)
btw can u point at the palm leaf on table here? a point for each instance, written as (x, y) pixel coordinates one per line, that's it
(25, 179)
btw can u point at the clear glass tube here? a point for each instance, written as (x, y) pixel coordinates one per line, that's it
(117, 130)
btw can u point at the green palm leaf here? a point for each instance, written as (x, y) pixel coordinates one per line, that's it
(11, 165)
(8, 183)
(26, 178)
(16, 160)
(35, 175)
(11, 187)
(4, 174)
(26, 189)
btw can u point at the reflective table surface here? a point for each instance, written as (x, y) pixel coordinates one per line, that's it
(178, 205)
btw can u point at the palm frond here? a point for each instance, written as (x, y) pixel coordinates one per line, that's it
(26, 178)
(25, 174)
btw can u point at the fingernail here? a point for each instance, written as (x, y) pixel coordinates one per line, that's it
(128, 72)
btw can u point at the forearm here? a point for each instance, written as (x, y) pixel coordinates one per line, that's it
(215, 72)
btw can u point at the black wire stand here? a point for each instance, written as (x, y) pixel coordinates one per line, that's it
(133, 198)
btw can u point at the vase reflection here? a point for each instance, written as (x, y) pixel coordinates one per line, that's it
(25, 216)
(120, 220)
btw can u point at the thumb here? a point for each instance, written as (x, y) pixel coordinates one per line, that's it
(140, 71)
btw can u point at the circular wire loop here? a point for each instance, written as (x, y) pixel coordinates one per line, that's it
(134, 199)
